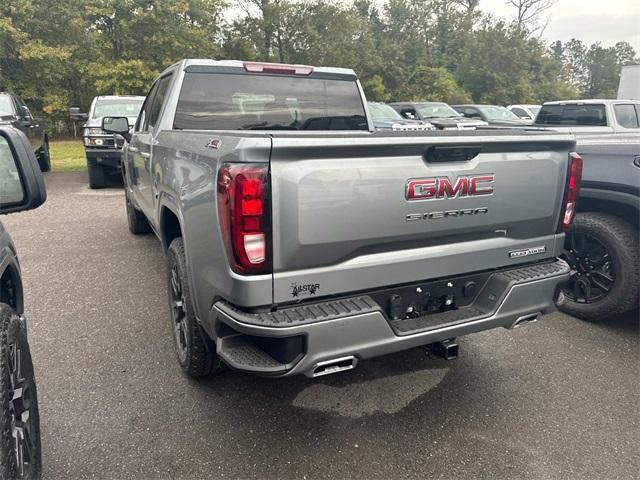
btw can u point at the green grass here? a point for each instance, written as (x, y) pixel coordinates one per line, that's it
(67, 156)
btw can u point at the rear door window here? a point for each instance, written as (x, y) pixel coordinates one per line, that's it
(158, 101)
(626, 115)
(142, 122)
(578, 115)
(213, 101)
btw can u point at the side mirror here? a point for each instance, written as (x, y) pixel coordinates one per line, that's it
(118, 125)
(25, 116)
(76, 116)
(21, 183)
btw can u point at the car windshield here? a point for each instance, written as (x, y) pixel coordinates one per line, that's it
(435, 110)
(6, 105)
(534, 110)
(264, 102)
(576, 114)
(383, 113)
(498, 113)
(117, 107)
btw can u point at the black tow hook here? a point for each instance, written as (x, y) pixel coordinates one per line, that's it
(446, 349)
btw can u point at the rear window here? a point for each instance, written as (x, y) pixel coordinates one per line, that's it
(626, 115)
(579, 115)
(210, 101)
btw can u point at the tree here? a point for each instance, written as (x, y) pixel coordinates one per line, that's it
(593, 71)
(529, 13)
(375, 89)
(432, 84)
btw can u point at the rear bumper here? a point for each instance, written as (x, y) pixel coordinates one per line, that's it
(104, 156)
(357, 327)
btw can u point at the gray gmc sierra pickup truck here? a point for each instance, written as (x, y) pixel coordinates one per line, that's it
(301, 241)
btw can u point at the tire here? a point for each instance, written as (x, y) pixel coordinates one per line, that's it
(44, 158)
(619, 249)
(196, 353)
(138, 223)
(96, 175)
(20, 448)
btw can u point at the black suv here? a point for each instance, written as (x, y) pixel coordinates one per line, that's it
(21, 188)
(14, 112)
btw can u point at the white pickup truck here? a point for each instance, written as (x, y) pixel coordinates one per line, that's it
(591, 117)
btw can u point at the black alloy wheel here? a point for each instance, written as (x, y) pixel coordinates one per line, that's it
(178, 313)
(20, 450)
(593, 274)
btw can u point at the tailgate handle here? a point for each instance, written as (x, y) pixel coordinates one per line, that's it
(459, 153)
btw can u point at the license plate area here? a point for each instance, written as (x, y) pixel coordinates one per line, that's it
(427, 298)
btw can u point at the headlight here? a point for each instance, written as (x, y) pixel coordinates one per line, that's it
(90, 141)
(94, 131)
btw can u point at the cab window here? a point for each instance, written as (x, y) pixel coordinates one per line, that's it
(626, 115)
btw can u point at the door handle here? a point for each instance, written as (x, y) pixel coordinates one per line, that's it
(452, 153)
(133, 149)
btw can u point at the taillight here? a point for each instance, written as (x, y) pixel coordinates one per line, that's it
(244, 216)
(572, 192)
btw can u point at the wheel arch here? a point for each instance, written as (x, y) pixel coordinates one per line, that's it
(610, 206)
(170, 224)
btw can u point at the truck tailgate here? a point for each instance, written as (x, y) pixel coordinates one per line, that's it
(343, 222)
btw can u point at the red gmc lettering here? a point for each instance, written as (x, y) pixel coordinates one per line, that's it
(476, 189)
(445, 189)
(419, 189)
(441, 187)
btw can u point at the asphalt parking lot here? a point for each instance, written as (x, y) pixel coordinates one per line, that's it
(557, 399)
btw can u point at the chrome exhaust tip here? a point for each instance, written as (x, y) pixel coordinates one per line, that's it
(334, 366)
(526, 319)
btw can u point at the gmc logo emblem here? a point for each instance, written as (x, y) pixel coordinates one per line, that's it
(441, 187)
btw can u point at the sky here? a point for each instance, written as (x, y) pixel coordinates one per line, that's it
(605, 21)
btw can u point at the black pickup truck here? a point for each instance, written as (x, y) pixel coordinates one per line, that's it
(602, 247)
(14, 112)
(21, 188)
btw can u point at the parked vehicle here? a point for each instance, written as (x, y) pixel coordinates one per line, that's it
(602, 247)
(525, 112)
(14, 112)
(629, 87)
(386, 118)
(439, 114)
(299, 240)
(492, 114)
(21, 188)
(101, 149)
(591, 117)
